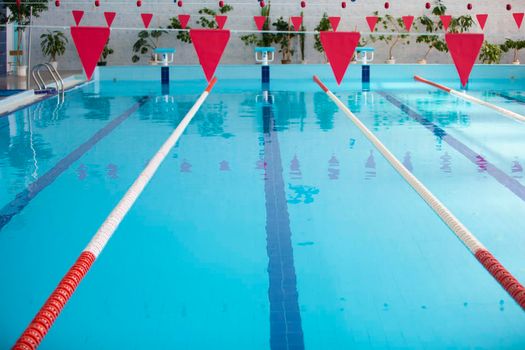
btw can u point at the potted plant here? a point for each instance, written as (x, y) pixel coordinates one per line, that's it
(516, 46)
(393, 25)
(182, 35)
(105, 54)
(284, 39)
(490, 53)
(53, 44)
(265, 39)
(146, 43)
(324, 25)
(434, 25)
(20, 15)
(205, 21)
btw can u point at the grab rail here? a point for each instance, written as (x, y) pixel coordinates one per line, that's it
(37, 77)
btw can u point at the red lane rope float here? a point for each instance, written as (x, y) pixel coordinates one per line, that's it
(46, 316)
(491, 264)
(503, 111)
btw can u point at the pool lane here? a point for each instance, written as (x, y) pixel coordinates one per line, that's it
(23, 198)
(285, 317)
(477, 159)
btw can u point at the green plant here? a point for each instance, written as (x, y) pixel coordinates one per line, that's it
(284, 39)
(515, 45)
(432, 25)
(205, 22)
(182, 35)
(324, 25)
(20, 14)
(490, 53)
(105, 53)
(53, 44)
(265, 39)
(395, 26)
(147, 41)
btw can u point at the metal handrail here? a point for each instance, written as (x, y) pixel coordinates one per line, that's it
(59, 82)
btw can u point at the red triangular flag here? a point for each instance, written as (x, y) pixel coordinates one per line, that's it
(110, 16)
(90, 42)
(209, 45)
(146, 19)
(446, 19)
(259, 21)
(482, 19)
(518, 17)
(339, 48)
(77, 15)
(221, 21)
(464, 49)
(408, 20)
(184, 19)
(296, 21)
(372, 21)
(334, 21)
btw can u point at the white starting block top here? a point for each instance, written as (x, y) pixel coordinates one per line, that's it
(264, 55)
(364, 54)
(164, 56)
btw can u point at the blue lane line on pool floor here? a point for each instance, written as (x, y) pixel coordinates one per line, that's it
(23, 198)
(509, 97)
(499, 175)
(285, 317)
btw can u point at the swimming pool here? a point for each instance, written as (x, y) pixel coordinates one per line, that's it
(271, 225)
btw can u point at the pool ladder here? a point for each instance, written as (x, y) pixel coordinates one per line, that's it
(42, 88)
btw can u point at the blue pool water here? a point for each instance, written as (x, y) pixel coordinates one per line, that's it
(270, 225)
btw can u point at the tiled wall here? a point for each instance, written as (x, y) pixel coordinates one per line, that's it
(3, 48)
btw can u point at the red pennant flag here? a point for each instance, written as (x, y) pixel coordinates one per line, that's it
(184, 19)
(372, 21)
(209, 45)
(518, 17)
(408, 20)
(77, 15)
(464, 49)
(259, 21)
(339, 48)
(110, 16)
(482, 19)
(296, 21)
(146, 19)
(90, 42)
(334, 21)
(446, 19)
(221, 21)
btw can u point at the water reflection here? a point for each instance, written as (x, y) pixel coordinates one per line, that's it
(517, 169)
(333, 168)
(302, 194)
(370, 166)
(210, 121)
(407, 161)
(295, 169)
(446, 164)
(324, 110)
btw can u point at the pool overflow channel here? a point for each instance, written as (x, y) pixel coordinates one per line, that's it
(513, 287)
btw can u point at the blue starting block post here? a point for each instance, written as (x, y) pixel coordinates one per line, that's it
(365, 55)
(164, 57)
(265, 55)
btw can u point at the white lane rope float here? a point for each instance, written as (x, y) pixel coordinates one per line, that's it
(484, 256)
(47, 315)
(503, 111)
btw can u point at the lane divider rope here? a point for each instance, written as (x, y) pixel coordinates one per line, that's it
(52, 308)
(491, 264)
(503, 111)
